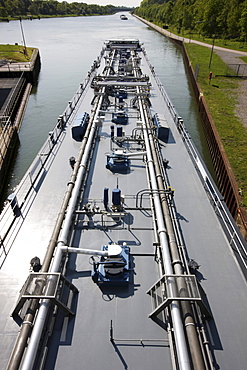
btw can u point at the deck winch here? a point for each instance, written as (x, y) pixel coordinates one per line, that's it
(112, 269)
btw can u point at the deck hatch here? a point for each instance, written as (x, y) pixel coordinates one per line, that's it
(52, 286)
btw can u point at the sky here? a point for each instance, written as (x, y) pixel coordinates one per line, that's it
(130, 3)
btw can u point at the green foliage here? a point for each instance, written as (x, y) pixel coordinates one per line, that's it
(17, 8)
(223, 18)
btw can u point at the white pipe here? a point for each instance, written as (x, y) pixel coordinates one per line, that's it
(183, 357)
(93, 252)
(131, 154)
(44, 306)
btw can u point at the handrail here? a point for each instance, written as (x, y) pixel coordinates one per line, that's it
(6, 134)
(12, 98)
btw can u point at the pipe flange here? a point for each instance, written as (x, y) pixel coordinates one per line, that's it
(28, 323)
(176, 262)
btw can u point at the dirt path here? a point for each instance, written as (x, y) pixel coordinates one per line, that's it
(230, 57)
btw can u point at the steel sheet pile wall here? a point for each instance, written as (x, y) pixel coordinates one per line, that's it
(226, 180)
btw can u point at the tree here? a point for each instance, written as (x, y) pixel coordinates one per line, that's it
(243, 21)
(233, 19)
(225, 18)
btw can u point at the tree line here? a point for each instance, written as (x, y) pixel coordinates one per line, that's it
(17, 8)
(222, 18)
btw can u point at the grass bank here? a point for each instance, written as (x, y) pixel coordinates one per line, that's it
(221, 98)
(15, 53)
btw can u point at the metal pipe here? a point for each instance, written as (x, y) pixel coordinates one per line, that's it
(201, 354)
(25, 330)
(183, 357)
(190, 327)
(133, 154)
(44, 306)
(161, 271)
(93, 252)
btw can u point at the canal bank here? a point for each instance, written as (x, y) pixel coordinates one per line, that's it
(16, 81)
(227, 183)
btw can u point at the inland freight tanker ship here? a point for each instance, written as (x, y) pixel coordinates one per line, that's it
(117, 250)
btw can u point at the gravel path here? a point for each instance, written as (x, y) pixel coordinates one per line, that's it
(230, 57)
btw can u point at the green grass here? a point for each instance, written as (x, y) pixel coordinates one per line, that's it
(15, 53)
(221, 98)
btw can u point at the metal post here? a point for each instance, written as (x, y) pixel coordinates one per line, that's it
(211, 55)
(212, 49)
(24, 41)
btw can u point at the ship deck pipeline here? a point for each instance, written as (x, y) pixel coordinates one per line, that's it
(116, 285)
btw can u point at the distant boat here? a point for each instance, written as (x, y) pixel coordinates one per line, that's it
(123, 17)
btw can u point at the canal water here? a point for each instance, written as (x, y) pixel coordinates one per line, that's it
(68, 46)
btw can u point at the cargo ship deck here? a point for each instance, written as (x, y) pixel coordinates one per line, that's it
(141, 264)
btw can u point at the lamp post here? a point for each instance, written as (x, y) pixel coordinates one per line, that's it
(212, 49)
(24, 42)
(213, 41)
